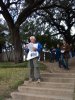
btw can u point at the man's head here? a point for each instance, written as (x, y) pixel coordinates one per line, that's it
(64, 42)
(32, 39)
(58, 45)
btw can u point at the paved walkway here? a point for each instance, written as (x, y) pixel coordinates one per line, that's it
(57, 84)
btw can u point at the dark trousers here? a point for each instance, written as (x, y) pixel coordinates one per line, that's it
(63, 61)
(34, 71)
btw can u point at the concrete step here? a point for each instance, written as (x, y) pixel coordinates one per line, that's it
(11, 99)
(50, 85)
(27, 96)
(65, 75)
(58, 79)
(46, 91)
(61, 70)
(70, 71)
(54, 86)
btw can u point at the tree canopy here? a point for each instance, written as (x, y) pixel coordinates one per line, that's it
(58, 14)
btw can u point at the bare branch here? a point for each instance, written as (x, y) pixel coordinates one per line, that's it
(55, 34)
(50, 6)
(9, 4)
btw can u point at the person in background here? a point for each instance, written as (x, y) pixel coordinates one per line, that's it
(34, 72)
(52, 54)
(71, 51)
(58, 53)
(64, 55)
(26, 50)
(39, 50)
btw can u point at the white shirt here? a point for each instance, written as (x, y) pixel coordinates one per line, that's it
(32, 54)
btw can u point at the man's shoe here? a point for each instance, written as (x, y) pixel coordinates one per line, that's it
(67, 69)
(30, 80)
(38, 81)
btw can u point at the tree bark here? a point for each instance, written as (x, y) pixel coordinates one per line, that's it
(18, 55)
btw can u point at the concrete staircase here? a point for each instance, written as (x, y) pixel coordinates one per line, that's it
(54, 86)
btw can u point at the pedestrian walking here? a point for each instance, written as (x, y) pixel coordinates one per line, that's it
(64, 55)
(58, 52)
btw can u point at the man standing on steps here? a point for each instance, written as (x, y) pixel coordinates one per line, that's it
(32, 57)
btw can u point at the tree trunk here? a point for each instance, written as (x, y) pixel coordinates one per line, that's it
(18, 55)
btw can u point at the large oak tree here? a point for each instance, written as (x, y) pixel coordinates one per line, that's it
(15, 13)
(54, 12)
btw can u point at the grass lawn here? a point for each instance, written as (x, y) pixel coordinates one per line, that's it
(11, 76)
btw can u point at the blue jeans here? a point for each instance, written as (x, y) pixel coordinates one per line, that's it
(63, 61)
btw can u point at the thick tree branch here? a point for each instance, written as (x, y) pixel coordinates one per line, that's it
(51, 21)
(28, 11)
(6, 14)
(59, 27)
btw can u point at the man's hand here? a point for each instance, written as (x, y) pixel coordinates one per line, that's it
(34, 49)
